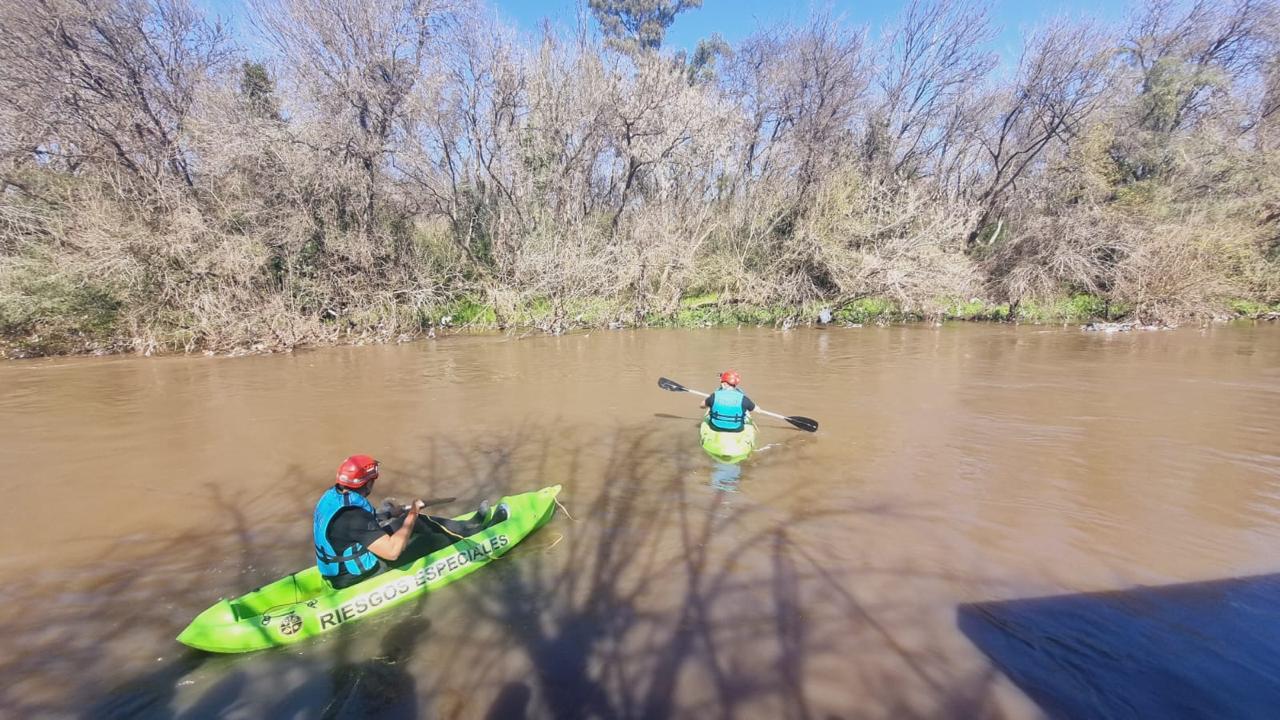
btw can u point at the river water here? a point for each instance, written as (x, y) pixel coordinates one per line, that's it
(867, 570)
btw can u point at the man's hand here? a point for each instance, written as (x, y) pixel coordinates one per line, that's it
(389, 547)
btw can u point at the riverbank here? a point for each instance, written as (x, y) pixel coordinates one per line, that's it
(581, 184)
(84, 325)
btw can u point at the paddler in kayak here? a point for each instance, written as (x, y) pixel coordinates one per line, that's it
(352, 545)
(728, 407)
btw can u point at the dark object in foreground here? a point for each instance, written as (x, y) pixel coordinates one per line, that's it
(1194, 650)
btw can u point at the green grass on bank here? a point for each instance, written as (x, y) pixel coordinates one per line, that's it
(46, 314)
(49, 316)
(711, 310)
(1253, 309)
(464, 312)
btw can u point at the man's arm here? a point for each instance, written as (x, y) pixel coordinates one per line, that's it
(706, 401)
(747, 404)
(389, 547)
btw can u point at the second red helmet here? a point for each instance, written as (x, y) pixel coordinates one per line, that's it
(731, 377)
(357, 470)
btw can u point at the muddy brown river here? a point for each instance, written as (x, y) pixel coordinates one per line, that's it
(1003, 522)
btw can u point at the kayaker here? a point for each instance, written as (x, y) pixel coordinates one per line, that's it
(728, 406)
(352, 545)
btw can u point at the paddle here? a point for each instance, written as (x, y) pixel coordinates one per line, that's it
(425, 503)
(804, 423)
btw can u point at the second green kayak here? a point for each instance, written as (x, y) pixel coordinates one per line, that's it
(728, 447)
(304, 604)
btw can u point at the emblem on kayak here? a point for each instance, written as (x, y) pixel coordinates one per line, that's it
(290, 624)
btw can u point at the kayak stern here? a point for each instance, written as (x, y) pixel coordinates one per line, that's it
(728, 447)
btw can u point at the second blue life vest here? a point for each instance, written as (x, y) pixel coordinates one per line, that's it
(727, 414)
(354, 559)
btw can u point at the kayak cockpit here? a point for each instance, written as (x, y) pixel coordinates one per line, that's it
(289, 590)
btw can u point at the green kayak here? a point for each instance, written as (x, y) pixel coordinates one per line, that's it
(304, 604)
(728, 446)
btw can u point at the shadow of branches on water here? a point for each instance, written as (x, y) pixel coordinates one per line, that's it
(667, 597)
(662, 597)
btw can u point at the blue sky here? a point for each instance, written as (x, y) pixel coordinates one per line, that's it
(736, 19)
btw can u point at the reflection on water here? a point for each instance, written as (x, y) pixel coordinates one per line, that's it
(957, 466)
(725, 476)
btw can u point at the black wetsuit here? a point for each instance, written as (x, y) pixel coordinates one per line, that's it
(356, 525)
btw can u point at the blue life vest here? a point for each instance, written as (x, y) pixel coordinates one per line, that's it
(351, 560)
(727, 414)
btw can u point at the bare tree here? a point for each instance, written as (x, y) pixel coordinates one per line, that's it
(1062, 79)
(1185, 59)
(106, 81)
(457, 142)
(1267, 116)
(357, 63)
(801, 90)
(932, 58)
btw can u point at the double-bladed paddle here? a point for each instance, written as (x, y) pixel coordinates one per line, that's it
(387, 504)
(804, 423)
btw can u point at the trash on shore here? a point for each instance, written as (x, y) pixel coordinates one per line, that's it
(1114, 327)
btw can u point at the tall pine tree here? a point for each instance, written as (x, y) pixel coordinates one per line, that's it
(638, 25)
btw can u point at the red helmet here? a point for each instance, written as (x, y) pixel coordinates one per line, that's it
(357, 471)
(731, 377)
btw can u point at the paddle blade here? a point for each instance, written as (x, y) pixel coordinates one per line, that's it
(804, 423)
(671, 385)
